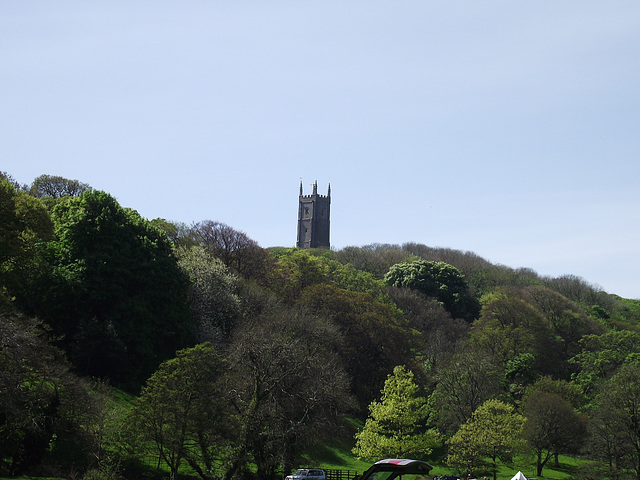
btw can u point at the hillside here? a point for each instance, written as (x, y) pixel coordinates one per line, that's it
(239, 361)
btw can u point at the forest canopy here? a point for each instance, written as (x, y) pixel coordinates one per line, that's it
(238, 361)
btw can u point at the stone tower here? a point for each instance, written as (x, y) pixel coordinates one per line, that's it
(313, 219)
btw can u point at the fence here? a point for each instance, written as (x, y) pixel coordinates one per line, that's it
(334, 474)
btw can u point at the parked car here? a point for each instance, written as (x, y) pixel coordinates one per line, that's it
(307, 474)
(391, 468)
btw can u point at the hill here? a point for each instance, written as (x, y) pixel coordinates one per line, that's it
(241, 361)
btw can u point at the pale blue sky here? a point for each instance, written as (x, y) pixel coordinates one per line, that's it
(509, 129)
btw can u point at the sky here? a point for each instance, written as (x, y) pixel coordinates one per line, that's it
(507, 129)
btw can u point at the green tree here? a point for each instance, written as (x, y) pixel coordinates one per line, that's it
(602, 356)
(519, 336)
(492, 432)
(487, 279)
(616, 420)
(24, 224)
(299, 269)
(379, 338)
(439, 280)
(568, 320)
(566, 390)
(181, 411)
(114, 290)
(463, 384)
(397, 425)
(552, 427)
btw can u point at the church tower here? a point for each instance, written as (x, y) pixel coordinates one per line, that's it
(313, 219)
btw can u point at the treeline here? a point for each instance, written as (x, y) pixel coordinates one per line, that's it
(238, 359)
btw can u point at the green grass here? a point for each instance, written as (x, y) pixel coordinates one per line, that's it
(337, 455)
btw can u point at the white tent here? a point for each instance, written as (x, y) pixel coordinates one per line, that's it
(519, 476)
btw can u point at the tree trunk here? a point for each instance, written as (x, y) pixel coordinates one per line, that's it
(240, 454)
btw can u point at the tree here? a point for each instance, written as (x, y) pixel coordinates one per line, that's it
(606, 443)
(566, 390)
(178, 233)
(397, 425)
(214, 305)
(379, 338)
(492, 432)
(239, 252)
(17, 185)
(24, 224)
(42, 404)
(552, 427)
(568, 320)
(298, 270)
(181, 410)
(510, 327)
(53, 186)
(114, 290)
(617, 418)
(440, 333)
(439, 280)
(602, 356)
(467, 262)
(463, 384)
(290, 388)
(375, 259)
(574, 288)
(487, 279)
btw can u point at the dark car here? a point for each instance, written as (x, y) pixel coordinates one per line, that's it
(391, 468)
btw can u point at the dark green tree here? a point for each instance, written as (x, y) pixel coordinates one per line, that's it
(552, 427)
(439, 280)
(617, 418)
(379, 338)
(566, 390)
(439, 333)
(289, 389)
(42, 404)
(114, 290)
(520, 337)
(467, 379)
(182, 412)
